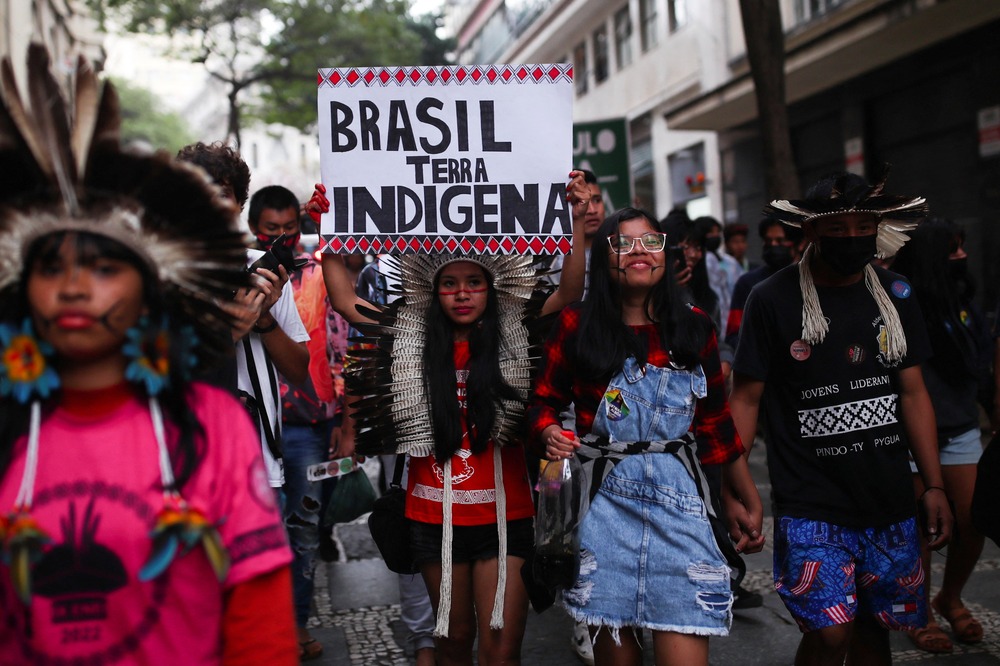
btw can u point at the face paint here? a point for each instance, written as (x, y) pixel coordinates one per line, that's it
(264, 241)
(446, 292)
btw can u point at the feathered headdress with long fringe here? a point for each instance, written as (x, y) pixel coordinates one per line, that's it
(847, 194)
(392, 405)
(63, 170)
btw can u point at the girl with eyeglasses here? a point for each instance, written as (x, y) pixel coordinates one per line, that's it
(642, 369)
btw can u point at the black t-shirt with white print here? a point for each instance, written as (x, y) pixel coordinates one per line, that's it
(837, 449)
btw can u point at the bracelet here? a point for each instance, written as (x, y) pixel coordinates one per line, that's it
(266, 329)
(930, 488)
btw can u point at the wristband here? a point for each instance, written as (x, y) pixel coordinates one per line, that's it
(930, 488)
(266, 329)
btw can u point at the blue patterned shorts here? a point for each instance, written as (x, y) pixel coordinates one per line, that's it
(827, 574)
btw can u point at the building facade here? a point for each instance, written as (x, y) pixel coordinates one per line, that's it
(66, 27)
(910, 83)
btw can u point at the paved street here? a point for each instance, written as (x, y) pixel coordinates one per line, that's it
(358, 613)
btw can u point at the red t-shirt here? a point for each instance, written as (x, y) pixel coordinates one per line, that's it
(473, 493)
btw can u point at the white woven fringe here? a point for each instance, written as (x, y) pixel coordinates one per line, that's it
(447, 534)
(815, 326)
(496, 619)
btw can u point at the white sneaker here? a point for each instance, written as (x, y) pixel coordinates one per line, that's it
(582, 646)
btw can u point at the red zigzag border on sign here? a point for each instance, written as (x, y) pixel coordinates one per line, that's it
(395, 244)
(454, 75)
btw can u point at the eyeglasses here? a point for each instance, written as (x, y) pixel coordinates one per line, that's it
(652, 241)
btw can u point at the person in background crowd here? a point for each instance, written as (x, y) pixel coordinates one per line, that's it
(270, 337)
(831, 347)
(689, 239)
(310, 409)
(782, 247)
(138, 526)
(416, 611)
(593, 216)
(694, 288)
(735, 238)
(723, 270)
(958, 380)
(633, 342)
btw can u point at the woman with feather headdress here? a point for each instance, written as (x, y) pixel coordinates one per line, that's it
(138, 525)
(444, 378)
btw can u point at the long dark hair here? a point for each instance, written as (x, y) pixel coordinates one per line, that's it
(943, 296)
(700, 287)
(185, 451)
(605, 341)
(485, 387)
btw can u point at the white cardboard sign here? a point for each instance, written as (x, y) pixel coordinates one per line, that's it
(446, 159)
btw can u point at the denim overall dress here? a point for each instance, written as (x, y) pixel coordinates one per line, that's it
(648, 555)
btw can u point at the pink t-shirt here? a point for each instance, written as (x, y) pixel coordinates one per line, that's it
(97, 494)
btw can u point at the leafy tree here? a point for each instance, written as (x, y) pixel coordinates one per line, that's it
(227, 36)
(144, 119)
(269, 50)
(765, 41)
(342, 33)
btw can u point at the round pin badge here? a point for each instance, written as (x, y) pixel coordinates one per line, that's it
(901, 289)
(800, 350)
(855, 354)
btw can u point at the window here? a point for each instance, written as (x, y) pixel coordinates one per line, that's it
(601, 57)
(647, 24)
(807, 10)
(677, 14)
(580, 68)
(623, 37)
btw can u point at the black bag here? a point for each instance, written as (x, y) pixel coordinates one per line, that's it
(389, 527)
(986, 496)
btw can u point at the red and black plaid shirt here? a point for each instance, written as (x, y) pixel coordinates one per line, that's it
(558, 385)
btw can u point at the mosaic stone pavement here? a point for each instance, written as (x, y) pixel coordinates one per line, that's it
(368, 631)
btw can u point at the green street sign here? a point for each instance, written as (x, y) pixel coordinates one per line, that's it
(602, 147)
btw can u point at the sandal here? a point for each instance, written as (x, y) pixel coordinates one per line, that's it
(930, 639)
(310, 649)
(965, 627)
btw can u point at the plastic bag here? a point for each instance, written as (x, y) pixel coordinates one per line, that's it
(561, 504)
(352, 497)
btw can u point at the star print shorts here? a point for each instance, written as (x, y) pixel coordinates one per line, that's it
(828, 574)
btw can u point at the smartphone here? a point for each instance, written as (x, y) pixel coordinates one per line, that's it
(676, 254)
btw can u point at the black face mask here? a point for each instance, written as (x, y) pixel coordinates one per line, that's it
(847, 255)
(958, 269)
(713, 243)
(777, 256)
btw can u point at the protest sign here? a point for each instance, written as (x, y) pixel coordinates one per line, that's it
(446, 159)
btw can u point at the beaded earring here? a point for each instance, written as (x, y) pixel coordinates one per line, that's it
(149, 348)
(25, 369)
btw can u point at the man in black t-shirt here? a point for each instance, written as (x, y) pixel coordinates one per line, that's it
(831, 350)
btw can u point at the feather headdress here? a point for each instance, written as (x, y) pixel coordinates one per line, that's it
(850, 194)
(64, 171)
(895, 214)
(392, 406)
